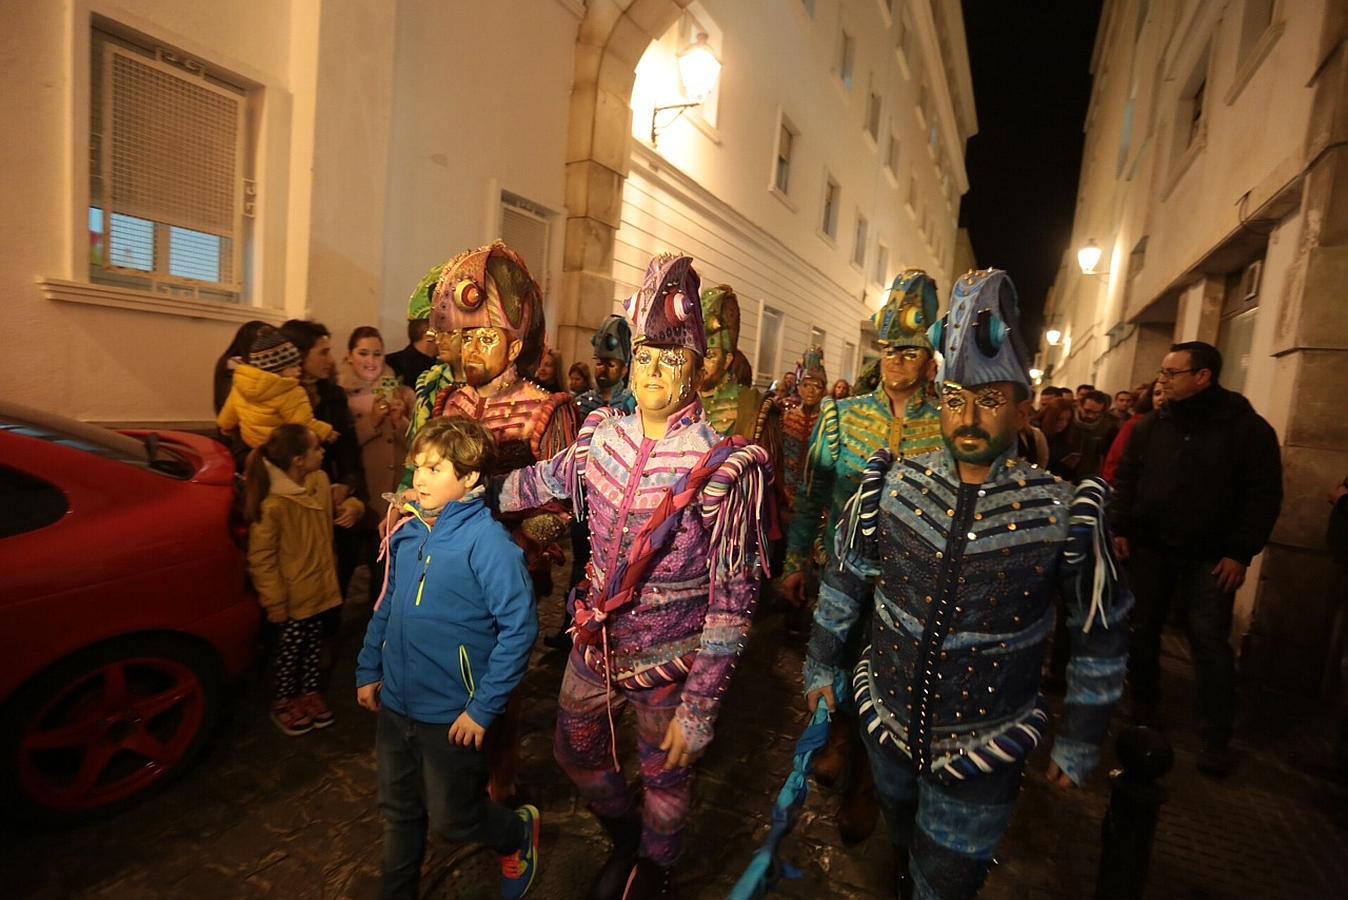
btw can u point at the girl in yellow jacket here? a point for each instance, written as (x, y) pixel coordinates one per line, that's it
(266, 394)
(288, 503)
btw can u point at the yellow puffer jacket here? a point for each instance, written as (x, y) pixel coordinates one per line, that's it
(290, 549)
(260, 402)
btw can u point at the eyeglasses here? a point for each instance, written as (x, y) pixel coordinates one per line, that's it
(907, 354)
(1168, 374)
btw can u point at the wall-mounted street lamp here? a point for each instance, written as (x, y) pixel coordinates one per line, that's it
(1053, 336)
(1088, 257)
(1036, 375)
(698, 70)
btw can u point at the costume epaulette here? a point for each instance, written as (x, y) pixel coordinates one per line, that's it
(1089, 540)
(554, 425)
(737, 508)
(827, 442)
(861, 515)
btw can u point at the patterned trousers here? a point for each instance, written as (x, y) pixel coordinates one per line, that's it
(949, 831)
(584, 749)
(296, 667)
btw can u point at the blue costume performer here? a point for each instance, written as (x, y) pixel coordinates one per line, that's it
(958, 554)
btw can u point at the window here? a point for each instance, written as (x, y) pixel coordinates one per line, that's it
(828, 222)
(873, 116)
(849, 360)
(859, 242)
(881, 264)
(527, 227)
(1196, 111)
(905, 41)
(168, 165)
(816, 338)
(847, 51)
(809, 7)
(912, 195)
(892, 154)
(769, 337)
(781, 167)
(1256, 19)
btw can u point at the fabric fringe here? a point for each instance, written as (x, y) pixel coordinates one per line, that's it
(1088, 516)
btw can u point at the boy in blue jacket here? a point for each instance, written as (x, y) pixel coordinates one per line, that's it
(450, 639)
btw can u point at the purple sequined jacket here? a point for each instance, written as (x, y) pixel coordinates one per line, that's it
(677, 611)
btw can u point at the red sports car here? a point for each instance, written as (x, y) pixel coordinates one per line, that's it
(123, 607)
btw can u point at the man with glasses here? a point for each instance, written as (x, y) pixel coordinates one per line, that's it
(1197, 492)
(897, 415)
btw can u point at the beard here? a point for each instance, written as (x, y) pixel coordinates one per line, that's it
(477, 375)
(604, 383)
(992, 448)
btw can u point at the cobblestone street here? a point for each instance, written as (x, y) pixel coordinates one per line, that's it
(263, 815)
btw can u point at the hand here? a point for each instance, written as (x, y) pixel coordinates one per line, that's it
(1071, 460)
(792, 588)
(277, 615)
(339, 493)
(1338, 493)
(677, 755)
(332, 438)
(467, 733)
(1230, 575)
(367, 695)
(347, 515)
(1058, 778)
(1122, 549)
(826, 692)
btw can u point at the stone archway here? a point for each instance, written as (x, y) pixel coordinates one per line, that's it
(612, 37)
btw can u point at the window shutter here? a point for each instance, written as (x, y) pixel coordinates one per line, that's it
(527, 233)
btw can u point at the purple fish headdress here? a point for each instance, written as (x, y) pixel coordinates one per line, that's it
(666, 310)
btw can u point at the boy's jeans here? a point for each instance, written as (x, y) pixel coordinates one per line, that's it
(422, 775)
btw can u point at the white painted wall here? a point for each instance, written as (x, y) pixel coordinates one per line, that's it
(1137, 187)
(382, 131)
(707, 188)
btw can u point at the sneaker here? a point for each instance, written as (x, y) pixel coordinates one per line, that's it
(316, 708)
(291, 717)
(518, 869)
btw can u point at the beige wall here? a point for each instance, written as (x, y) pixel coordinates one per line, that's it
(380, 138)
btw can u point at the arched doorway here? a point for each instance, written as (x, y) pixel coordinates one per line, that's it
(611, 39)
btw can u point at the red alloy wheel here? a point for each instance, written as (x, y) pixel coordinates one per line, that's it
(111, 733)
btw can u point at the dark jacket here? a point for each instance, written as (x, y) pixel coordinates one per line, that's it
(408, 364)
(1202, 477)
(457, 622)
(1090, 444)
(342, 460)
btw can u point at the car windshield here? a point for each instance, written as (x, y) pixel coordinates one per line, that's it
(43, 426)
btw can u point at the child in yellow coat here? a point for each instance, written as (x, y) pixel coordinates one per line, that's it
(267, 394)
(289, 508)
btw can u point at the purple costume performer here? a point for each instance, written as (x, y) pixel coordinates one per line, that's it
(677, 522)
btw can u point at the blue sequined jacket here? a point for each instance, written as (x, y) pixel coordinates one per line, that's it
(963, 578)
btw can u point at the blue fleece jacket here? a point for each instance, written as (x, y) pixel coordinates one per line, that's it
(457, 622)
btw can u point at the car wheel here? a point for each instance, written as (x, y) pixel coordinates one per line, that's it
(100, 730)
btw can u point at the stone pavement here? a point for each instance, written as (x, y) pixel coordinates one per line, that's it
(264, 815)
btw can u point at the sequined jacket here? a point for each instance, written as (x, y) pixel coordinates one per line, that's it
(797, 426)
(678, 611)
(846, 435)
(528, 423)
(962, 580)
(620, 399)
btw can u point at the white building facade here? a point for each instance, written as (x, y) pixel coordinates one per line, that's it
(829, 157)
(183, 168)
(1213, 182)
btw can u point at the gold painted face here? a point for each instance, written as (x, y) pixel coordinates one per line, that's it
(714, 366)
(663, 378)
(979, 422)
(903, 367)
(486, 354)
(811, 392)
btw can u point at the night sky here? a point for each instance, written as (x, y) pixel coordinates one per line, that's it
(1031, 70)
